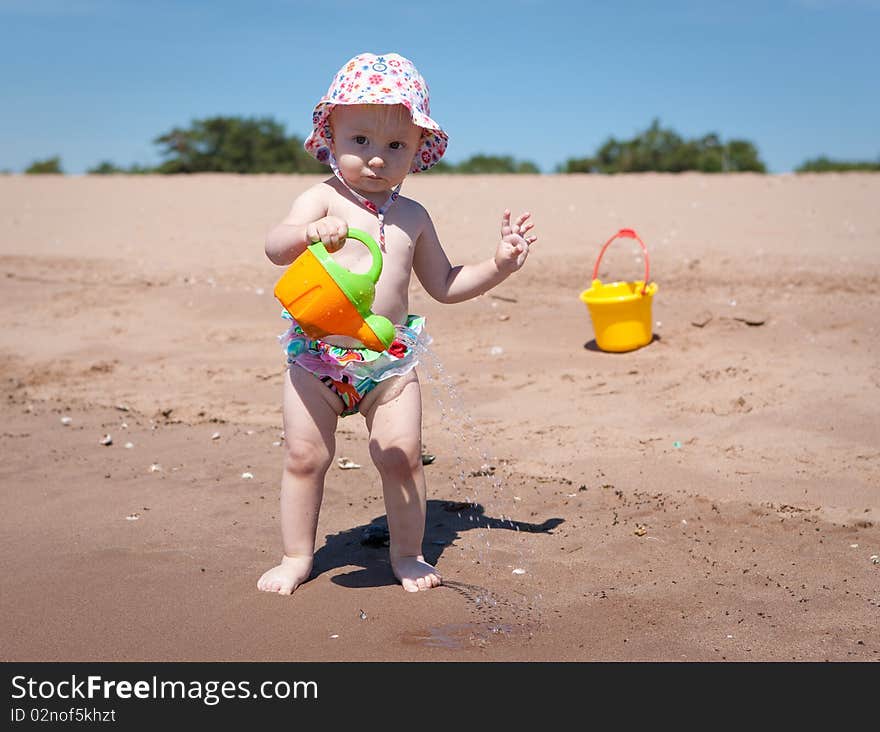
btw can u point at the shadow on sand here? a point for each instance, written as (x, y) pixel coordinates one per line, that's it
(593, 346)
(366, 546)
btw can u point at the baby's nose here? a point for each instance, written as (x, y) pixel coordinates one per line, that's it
(377, 162)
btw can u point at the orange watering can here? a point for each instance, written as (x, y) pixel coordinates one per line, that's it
(327, 299)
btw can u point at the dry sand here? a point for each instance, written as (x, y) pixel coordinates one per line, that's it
(714, 495)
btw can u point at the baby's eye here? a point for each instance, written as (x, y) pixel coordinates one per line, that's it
(396, 145)
(360, 139)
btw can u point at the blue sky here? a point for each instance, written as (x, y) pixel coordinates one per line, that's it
(542, 80)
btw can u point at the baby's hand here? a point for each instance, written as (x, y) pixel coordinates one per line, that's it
(514, 245)
(331, 230)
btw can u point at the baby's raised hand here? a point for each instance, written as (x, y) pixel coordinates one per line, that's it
(331, 230)
(515, 241)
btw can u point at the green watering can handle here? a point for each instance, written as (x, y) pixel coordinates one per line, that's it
(376, 268)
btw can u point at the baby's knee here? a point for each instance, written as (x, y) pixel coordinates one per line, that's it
(306, 458)
(400, 458)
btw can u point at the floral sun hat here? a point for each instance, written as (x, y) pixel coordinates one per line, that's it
(385, 79)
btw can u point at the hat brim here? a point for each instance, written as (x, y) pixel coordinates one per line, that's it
(432, 144)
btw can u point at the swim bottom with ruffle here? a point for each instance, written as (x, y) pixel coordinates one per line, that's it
(352, 373)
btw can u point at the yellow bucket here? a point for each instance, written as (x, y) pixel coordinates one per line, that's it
(621, 311)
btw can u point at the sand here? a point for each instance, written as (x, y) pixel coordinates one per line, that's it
(712, 496)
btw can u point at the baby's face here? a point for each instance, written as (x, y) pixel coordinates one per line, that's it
(374, 144)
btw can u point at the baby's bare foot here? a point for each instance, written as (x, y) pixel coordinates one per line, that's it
(415, 573)
(287, 576)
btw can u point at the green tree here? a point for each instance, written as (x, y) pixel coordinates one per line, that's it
(742, 156)
(527, 167)
(108, 167)
(49, 165)
(579, 165)
(664, 150)
(105, 167)
(234, 145)
(487, 164)
(711, 155)
(824, 164)
(652, 150)
(483, 164)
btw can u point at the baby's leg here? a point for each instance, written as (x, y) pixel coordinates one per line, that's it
(310, 414)
(394, 418)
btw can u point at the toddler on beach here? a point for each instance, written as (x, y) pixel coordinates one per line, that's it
(372, 128)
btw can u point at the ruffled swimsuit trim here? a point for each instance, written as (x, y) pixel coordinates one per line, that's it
(353, 372)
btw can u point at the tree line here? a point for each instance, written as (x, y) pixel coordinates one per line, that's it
(261, 145)
(665, 151)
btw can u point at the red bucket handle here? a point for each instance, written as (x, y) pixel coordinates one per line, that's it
(625, 234)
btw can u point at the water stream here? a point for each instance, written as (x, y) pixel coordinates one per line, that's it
(478, 480)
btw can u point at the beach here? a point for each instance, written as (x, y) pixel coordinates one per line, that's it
(712, 496)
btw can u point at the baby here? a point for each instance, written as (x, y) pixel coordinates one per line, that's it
(373, 128)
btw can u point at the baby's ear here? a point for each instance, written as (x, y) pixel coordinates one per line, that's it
(418, 146)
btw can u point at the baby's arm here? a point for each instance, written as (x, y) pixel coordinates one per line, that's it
(449, 284)
(306, 223)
